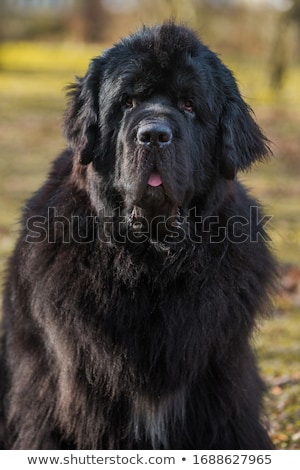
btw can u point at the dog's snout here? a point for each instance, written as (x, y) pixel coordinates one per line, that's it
(154, 134)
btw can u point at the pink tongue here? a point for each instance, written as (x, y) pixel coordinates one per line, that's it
(154, 179)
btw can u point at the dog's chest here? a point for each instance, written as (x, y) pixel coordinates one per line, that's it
(154, 419)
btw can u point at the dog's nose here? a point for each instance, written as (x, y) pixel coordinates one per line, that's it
(154, 134)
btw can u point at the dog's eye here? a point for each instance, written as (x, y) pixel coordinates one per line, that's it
(129, 102)
(189, 106)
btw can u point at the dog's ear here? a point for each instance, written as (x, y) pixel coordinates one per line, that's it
(81, 122)
(242, 142)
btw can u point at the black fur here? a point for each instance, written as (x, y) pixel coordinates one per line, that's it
(129, 307)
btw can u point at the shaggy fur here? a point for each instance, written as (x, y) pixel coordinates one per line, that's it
(142, 263)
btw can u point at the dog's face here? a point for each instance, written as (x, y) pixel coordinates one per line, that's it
(158, 118)
(154, 155)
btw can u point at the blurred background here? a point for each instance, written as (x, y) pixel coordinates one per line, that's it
(45, 43)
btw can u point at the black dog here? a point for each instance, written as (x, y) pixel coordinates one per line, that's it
(142, 264)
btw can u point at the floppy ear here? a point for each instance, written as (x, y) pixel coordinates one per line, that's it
(242, 141)
(81, 119)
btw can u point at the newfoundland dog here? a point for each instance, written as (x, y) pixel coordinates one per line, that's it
(142, 264)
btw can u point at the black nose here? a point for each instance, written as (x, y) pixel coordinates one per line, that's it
(154, 134)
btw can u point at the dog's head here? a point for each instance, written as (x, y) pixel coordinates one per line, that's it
(158, 118)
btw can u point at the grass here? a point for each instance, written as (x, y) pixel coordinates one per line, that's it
(32, 81)
(278, 350)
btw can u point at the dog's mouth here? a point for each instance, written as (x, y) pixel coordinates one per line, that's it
(155, 194)
(157, 227)
(155, 179)
(154, 210)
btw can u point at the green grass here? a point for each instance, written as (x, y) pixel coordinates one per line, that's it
(32, 82)
(32, 92)
(278, 350)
